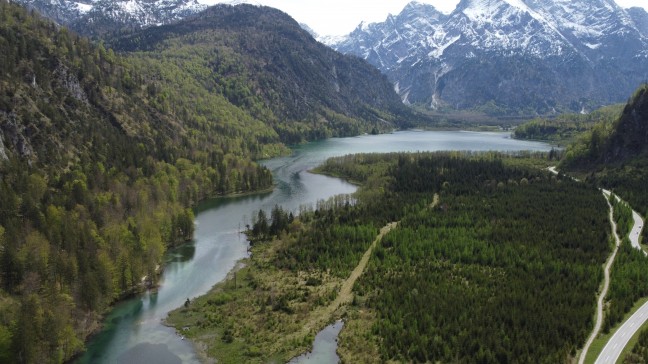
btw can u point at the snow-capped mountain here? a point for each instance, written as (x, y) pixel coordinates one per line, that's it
(92, 17)
(499, 56)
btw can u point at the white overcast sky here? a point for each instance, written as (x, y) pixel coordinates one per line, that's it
(340, 17)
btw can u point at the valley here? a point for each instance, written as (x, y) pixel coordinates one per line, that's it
(187, 183)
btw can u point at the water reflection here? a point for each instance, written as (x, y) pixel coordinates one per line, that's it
(149, 353)
(134, 329)
(324, 347)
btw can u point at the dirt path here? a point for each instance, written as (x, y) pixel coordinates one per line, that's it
(345, 296)
(606, 284)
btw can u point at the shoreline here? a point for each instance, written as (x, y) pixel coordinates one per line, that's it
(98, 323)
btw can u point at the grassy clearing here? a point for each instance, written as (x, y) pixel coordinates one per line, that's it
(258, 314)
(262, 314)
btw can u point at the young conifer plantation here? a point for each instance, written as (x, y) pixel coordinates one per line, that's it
(502, 265)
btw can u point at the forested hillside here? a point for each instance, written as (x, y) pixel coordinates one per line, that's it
(96, 176)
(491, 262)
(615, 155)
(261, 60)
(566, 128)
(102, 153)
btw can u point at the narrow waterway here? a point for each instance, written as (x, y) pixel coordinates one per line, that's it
(324, 347)
(134, 332)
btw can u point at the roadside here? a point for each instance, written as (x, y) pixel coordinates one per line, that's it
(627, 329)
(606, 283)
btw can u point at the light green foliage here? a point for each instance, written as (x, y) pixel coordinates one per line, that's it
(504, 268)
(567, 127)
(103, 169)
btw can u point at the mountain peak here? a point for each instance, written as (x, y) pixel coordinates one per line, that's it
(537, 55)
(96, 17)
(239, 2)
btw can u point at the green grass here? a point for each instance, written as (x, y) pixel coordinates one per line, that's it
(601, 340)
(268, 316)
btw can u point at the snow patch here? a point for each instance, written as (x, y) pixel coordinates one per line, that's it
(592, 46)
(439, 51)
(131, 6)
(83, 8)
(239, 2)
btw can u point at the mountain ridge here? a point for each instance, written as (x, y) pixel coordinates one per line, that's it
(270, 60)
(103, 153)
(568, 56)
(99, 17)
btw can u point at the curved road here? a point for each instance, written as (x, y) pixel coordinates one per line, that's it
(606, 284)
(635, 233)
(612, 350)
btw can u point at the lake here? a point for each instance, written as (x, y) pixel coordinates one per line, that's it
(134, 332)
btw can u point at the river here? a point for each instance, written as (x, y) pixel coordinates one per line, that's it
(133, 331)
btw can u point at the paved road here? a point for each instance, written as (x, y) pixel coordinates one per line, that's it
(620, 339)
(635, 233)
(612, 350)
(614, 347)
(606, 284)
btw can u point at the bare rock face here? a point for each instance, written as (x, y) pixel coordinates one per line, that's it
(70, 82)
(509, 56)
(3, 153)
(14, 132)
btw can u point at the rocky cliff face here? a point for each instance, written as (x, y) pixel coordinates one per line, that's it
(509, 56)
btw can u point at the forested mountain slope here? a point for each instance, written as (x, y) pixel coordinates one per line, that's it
(101, 154)
(615, 155)
(261, 60)
(96, 174)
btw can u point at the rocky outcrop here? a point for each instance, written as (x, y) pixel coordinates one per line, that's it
(501, 57)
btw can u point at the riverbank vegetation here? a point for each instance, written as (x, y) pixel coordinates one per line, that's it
(103, 153)
(504, 267)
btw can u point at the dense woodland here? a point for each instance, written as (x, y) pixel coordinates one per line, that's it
(505, 243)
(504, 268)
(615, 155)
(639, 354)
(104, 151)
(96, 181)
(102, 154)
(565, 128)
